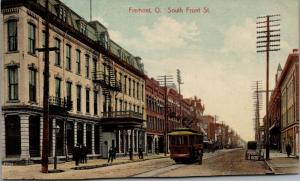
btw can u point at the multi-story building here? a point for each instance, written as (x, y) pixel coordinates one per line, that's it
(209, 126)
(173, 107)
(155, 96)
(96, 86)
(289, 91)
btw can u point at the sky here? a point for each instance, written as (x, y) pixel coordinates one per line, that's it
(215, 49)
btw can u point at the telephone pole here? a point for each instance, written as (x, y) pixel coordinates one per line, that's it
(46, 49)
(165, 80)
(268, 39)
(179, 83)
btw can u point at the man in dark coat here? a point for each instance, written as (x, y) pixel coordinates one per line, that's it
(130, 153)
(76, 154)
(110, 155)
(140, 150)
(288, 149)
(84, 153)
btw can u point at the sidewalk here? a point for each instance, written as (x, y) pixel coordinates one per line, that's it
(279, 163)
(33, 171)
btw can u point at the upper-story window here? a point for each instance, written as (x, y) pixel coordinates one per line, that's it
(68, 57)
(57, 87)
(87, 100)
(95, 102)
(78, 98)
(133, 88)
(87, 66)
(32, 85)
(31, 38)
(78, 61)
(13, 83)
(12, 35)
(129, 82)
(69, 91)
(82, 27)
(137, 90)
(63, 14)
(43, 43)
(57, 52)
(125, 84)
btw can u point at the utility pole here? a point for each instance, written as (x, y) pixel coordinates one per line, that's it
(179, 83)
(165, 80)
(45, 145)
(91, 13)
(265, 37)
(257, 107)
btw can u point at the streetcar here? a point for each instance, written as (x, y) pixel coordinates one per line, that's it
(186, 145)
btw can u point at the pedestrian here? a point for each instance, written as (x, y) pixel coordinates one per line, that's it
(130, 153)
(84, 153)
(141, 156)
(81, 153)
(110, 155)
(288, 149)
(76, 154)
(114, 153)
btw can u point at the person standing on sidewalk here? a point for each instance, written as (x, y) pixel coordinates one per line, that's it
(141, 156)
(110, 155)
(76, 154)
(288, 149)
(130, 153)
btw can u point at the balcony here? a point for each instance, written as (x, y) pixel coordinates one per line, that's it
(107, 81)
(122, 119)
(59, 105)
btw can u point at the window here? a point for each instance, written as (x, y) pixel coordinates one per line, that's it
(87, 66)
(87, 100)
(31, 38)
(78, 98)
(94, 66)
(68, 57)
(125, 84)
(133, 89)
(13, 83)
(125, 106)
(63, 14)
(95, 102)
(116, 104)
(57, 52)
(57, 87)
(121, 106)
(69, 91)
(32, 85)
(137, 90)
(43, 43)
(12, 32)
(78, 61)
(82, 28)
(129, 82)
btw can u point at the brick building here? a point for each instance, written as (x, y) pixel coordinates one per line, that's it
(155, 96)
(284, 105)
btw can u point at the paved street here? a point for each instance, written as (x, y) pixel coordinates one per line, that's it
(228, 163)
(221, 162)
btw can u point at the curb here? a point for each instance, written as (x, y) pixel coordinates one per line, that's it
(112, 164)
(272, 171)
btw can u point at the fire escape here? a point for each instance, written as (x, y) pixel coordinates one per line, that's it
(109, 84)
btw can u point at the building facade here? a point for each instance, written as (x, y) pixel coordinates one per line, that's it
(96, 89)
(289, 89)
(155, 96)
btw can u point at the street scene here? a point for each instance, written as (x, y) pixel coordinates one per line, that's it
(148, 89)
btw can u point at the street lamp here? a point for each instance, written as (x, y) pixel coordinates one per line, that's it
(56, 131)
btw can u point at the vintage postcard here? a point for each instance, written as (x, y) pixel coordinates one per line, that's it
(96, 89)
